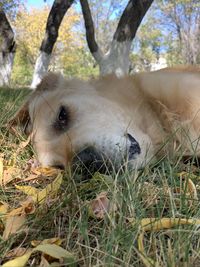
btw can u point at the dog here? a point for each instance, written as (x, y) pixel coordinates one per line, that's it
(110, 121)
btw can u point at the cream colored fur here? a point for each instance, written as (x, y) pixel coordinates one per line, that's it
(159, 109)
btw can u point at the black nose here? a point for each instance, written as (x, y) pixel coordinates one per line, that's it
(89, 161)
(134, 148)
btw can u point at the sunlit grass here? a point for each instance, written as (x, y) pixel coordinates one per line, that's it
(156, 191)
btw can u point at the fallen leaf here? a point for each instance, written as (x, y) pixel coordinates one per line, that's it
(52, 250)
(153, 224)
(28, 206)
(156, 224)
(44, 262)
(100, 206)
(29, 191)
(47, 171)
(3, 208)
(54, 240)
(23, 144)
(189, 186)
(16, 218)
(17, 252)
(31, 178)
(51, 189)
(12, 225)
(1, 171)
(41, 195)
(9, 173)
(19, 261)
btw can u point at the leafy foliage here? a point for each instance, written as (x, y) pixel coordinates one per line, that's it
(10, 6)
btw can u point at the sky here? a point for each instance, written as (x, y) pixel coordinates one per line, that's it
(38, 3)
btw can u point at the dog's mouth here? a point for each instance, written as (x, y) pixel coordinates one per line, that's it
(91, 160)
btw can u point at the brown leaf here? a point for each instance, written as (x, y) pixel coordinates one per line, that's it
(28, 206)
(100, 206)
(10, 173)
(23, 144)
(16, 252)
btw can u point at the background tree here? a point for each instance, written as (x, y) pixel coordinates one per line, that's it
(7, 48)
(58, 10)
(181, 21)
(147, 46)
(30, 28)
(116, 59)
(105, 15)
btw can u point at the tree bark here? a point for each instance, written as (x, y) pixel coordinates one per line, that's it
(116, 60)
(58, 10)
(7, 49)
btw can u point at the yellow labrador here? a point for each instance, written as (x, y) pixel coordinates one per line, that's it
(114, 120)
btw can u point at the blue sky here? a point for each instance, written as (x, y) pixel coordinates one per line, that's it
(37, 3)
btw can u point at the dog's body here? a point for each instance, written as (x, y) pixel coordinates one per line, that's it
(117, 120)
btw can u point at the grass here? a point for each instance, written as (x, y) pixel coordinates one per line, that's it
(111, 241)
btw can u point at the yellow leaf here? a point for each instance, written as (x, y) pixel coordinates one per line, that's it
(40, 195)
(3, 208)
(1, 171)
(156, 224)
(50, 190)
(153, 224)
(19, 261)
(54, 240)
(9, 173)
(29, 190)
(54, 251)
(12, 225)
(47, 171)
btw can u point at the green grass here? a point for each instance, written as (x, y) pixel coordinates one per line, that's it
(112, 241)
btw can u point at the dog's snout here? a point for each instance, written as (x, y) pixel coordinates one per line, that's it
(59, 166)
(89, 160)
(134, 148)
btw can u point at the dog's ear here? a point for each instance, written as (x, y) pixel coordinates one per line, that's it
(22, 118)
(49, 82)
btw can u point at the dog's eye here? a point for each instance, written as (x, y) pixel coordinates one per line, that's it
(62, 119)
(63, 116)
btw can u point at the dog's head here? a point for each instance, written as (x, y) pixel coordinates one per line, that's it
(71, 121)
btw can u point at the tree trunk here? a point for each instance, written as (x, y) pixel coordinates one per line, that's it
(116, 60)
(7, 49)
(54, 20)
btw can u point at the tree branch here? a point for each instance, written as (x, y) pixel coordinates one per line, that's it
(131, 19)
(90, 32)
(58, 10)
